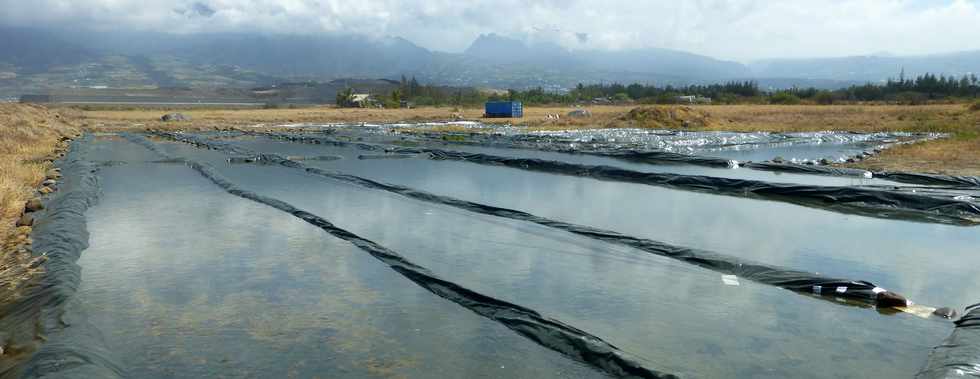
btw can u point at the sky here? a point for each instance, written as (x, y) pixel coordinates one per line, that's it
(741, 30)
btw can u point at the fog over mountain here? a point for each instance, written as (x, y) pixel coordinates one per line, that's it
(51, 44)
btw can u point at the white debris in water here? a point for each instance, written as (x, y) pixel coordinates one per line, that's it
(730, 280)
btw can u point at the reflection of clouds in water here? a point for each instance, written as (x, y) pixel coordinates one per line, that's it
(144, 246)
(664, 310)
(900, 255)
(628, 302)
(263, 290)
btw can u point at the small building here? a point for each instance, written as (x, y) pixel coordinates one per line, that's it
(693, 99)
(503, 109)
(362, 100)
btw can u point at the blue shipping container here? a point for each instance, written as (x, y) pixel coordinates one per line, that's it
(504, 109)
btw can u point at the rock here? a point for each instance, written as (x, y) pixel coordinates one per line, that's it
(49, 182)
(51, 174)
(778, 160)
(825, 162)
(850, 160)
(34, 263)
(945, 312)
(580, 113)
(169, 117)
(26, 219)
(45, 190)
(33, 205)
(890, 299)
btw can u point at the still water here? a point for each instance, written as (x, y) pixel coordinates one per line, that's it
(185, 280)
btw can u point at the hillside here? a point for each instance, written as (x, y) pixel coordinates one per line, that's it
(39, 60)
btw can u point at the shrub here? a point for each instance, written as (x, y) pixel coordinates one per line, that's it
(911, 98)
(975, 107)
(784, 98)
(824, 98)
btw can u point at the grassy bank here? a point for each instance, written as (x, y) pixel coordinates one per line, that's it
(30, 139)
(958, 155)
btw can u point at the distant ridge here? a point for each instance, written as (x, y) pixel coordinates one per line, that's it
(242, 60)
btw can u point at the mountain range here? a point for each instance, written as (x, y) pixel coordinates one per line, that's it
(33, 60)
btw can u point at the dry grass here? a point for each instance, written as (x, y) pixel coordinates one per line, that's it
(955, 155)
(30, 137)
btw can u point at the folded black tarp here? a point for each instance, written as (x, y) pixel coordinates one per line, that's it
(959, 355)
(930, 179)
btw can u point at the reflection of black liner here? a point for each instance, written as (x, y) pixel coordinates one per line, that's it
(858, 292)
(547, 332)
(959, 355)
(386, 156)
(850, 200)
(74, 348)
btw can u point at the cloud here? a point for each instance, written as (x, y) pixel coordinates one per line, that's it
(733, 29)
(202, 9)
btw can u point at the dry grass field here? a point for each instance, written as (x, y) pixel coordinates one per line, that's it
(30, 139)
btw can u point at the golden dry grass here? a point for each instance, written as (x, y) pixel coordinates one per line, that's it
(954, 155)
(30, 136)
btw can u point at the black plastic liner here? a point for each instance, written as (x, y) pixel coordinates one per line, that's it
(930, 179)
(868, 202)
(856, 292)
(547, 332)
(74, 348)
(959, 355)
(663, 157)
(655, 157)
(807, 169)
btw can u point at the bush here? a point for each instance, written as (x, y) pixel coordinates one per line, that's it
(824, 98)
(621, 97)
(975, 107)
(911, 98)
(784, 98)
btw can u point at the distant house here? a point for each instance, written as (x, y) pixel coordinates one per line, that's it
(362, 100)
(693, 99)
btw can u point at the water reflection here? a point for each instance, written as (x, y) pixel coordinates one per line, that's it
(681, 318)
(187, 281)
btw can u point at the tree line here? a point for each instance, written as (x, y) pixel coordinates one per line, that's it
(918, 90)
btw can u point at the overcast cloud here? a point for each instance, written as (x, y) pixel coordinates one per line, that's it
(739, 30)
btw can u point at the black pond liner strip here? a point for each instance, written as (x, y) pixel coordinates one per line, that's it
(856, 293)
(550, 333)
(73, 348)
(958, 356)
(664, 157)
(867, 202)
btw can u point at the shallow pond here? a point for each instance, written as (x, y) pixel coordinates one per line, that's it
(184, 279)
